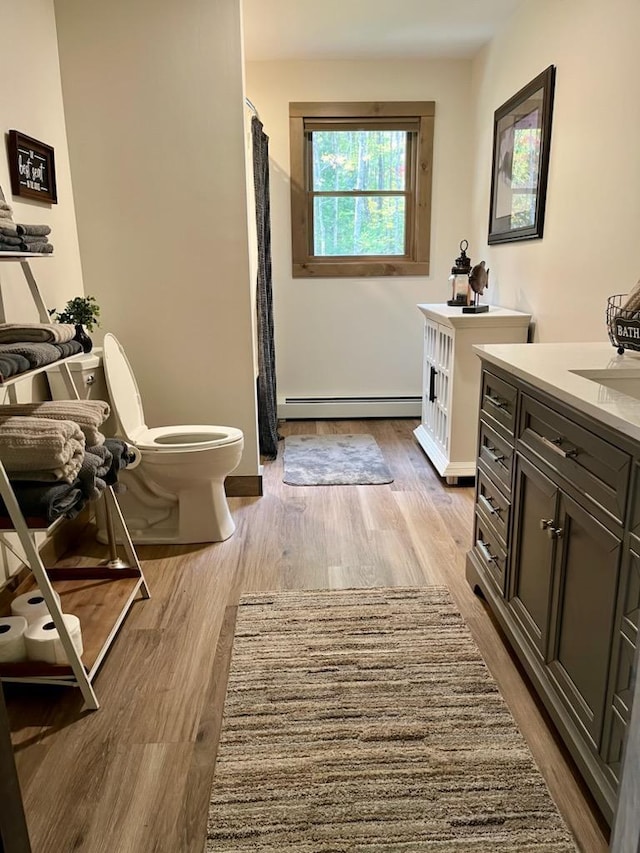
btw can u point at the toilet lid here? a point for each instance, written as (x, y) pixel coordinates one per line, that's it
(123, 388)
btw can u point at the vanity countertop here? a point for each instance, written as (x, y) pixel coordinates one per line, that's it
(556, 367)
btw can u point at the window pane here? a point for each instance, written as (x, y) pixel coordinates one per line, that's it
(366, 225)
(346, 160)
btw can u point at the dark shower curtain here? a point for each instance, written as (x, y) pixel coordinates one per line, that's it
(267, 412)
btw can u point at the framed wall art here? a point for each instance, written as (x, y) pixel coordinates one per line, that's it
(521, 141)
(32, 168)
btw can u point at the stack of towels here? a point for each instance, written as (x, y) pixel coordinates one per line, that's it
(15, 237)
(31, 345)
(56, 457)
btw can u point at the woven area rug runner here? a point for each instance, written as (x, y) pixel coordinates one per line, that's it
(334, 460)
(366, 720)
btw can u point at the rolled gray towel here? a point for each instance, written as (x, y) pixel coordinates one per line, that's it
(41, 449)
(28, 238)
(38, 333)
(37, 354)
(38, 248)
(8, 229)
(89, 415)
(8, 238)
(33, 230)
(91, 474)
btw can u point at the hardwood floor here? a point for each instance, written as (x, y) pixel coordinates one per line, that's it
(134, 777)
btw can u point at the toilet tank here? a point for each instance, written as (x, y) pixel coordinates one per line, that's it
(88, 377)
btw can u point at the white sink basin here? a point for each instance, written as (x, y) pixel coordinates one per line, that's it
(625, 381)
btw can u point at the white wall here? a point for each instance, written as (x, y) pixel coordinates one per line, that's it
(31, 102)
(154, 103)
(362, 336)
(590, 244)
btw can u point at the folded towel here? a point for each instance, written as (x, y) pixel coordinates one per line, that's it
(68, 348)
(11, 365)
(28, 238)
(87, 414)
(8, 229)
(37, 248)
(38, 355)
(38, 501)
(33, 230)
(9, 239)
(41, 449)
(45, 333)
(5, 213)
(9, 247)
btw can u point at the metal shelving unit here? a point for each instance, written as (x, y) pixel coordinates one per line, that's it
(78, 587)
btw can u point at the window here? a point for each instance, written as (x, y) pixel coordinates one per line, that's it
(361, 188)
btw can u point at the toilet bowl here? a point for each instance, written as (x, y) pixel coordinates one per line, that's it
(176, 493)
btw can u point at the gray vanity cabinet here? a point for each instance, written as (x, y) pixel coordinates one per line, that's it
(549, 555)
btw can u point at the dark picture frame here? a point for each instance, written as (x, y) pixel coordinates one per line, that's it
(32, 168)
(520, 164)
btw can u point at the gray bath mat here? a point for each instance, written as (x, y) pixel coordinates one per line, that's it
(334, 460)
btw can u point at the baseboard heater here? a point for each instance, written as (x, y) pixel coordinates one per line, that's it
(350, 407)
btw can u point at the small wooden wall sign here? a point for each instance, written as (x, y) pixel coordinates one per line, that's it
(32, 168)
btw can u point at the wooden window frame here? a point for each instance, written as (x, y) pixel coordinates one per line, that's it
(414, 115)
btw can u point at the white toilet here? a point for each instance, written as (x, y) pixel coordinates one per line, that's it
(176, 494)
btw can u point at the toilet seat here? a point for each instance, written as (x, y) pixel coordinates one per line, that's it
(177, 439)
(127, 405)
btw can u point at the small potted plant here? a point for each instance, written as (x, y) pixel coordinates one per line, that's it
(81, 311)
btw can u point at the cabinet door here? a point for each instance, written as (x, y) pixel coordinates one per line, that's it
(438, 365)
(584, 602)
(531, 565)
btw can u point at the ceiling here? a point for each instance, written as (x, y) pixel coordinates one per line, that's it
(370, 29)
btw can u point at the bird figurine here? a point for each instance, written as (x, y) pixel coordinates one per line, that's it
(479, 278)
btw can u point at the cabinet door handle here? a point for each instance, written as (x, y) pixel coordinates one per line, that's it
(487, 503)
(547, 524)
(491, 450)
(432, 384)
(484, 547)
(555, 444)
(498, 402)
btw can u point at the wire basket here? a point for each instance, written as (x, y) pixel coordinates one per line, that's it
(623, 325)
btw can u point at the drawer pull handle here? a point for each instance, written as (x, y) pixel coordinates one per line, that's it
(498, 402)
(491, 450)
(484, 547)
(547, 524)
(555, 444)
(487, 503)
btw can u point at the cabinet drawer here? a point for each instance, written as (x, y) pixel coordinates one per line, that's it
(491, 553)
(498, 401)
(596, 468)
(492, 503)
(497, 455)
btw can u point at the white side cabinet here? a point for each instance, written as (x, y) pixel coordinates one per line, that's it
(451, 381)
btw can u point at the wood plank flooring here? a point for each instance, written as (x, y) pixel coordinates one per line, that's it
(135, 776)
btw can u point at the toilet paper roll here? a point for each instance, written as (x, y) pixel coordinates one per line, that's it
(31, 605)
(43, 640)
(12, 644)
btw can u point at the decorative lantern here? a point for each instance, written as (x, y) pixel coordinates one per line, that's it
(459, 277)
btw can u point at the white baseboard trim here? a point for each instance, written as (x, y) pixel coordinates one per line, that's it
(350, 407)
